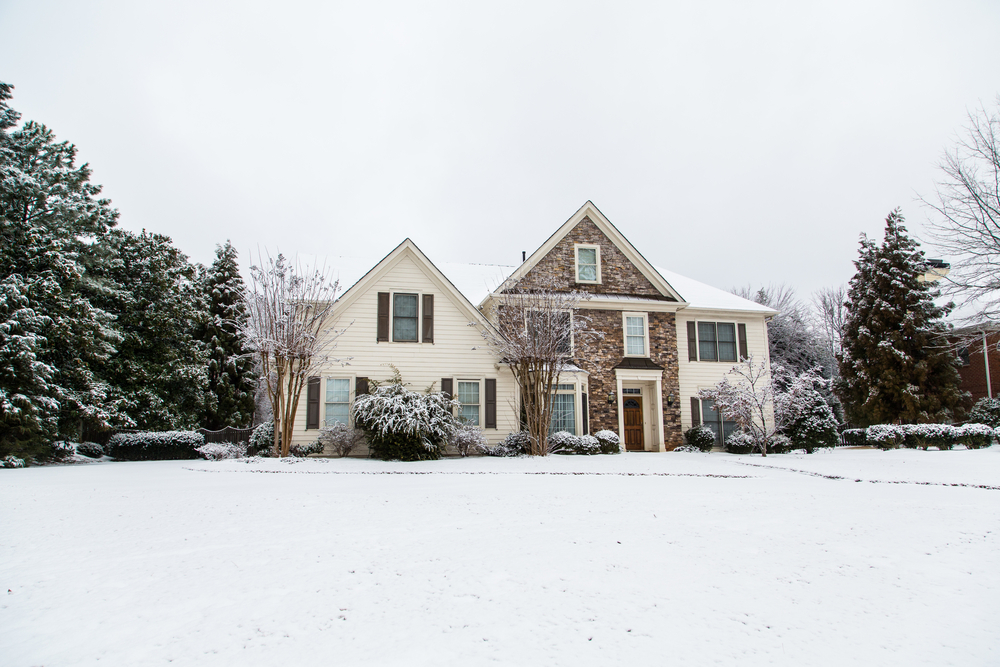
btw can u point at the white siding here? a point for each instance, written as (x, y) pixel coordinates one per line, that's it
(422, 365)
(696, 375)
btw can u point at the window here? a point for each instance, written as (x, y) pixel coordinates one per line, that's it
(338, 401)
(636, 335)
(588, 263)
(711, 418)
(717, 341)
(468, 396)
(563, 409)
(404, 317)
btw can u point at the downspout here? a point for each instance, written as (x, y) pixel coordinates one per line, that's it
(986, 362)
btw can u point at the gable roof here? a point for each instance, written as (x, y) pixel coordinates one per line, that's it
(702, 296)
(405, 249)
(589, 210)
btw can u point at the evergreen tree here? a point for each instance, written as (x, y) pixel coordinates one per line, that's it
(51, 225)
(895, 365)
(229, 399)
(158, 375)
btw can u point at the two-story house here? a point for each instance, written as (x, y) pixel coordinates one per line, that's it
(665, 338)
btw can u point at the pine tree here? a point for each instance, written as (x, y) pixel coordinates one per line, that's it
(895, 365)
(52, 225)
(158, 374)
(229, 399)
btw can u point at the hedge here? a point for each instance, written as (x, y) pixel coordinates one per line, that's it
(149, 446)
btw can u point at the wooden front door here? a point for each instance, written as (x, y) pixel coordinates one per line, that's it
(633, 424)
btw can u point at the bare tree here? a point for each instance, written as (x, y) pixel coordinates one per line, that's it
(830, 314)
(967, 202)
(289, 327)
(534, 329)
(792, 340)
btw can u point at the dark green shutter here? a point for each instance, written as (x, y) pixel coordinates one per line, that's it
(447, 387)
(491, 403)
(383, 317)
(742, 328)
(360, 387)
(695, 412)
(312, 403)
(428, 318)
(692, 342)
(583, 414)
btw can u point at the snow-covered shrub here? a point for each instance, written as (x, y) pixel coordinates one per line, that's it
(90, 449)
(739, 442)
(563, 442)
(341, 438)
(928, 435)
(609, 442)
(262, 440)
(61, 450)
(885, 436)
(686, 448)
(986, 411)
(151, 446)
(700, 437)
(468, 439)
(302, 451)
(975, 436)
(11, 461)
(588, 445)
(514, 444)
(403, 424)
(780, 444)
(217, 451)
(855, 437)
(814, 424)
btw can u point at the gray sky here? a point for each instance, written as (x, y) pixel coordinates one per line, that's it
(733, 142)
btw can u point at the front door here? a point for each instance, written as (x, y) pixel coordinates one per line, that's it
(633, 424)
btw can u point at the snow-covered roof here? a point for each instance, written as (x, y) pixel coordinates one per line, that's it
(700, 295)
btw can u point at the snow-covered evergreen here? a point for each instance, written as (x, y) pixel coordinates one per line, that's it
(895, 365)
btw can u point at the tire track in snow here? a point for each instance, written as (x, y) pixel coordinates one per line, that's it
(871, 481)
(477, 472)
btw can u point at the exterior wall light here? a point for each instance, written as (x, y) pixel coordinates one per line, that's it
(670, 399)
(611, 398)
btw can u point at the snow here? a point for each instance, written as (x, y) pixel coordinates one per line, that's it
(700, 295)
(693, 559)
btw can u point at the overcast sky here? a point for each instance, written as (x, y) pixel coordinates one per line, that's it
(733, 142)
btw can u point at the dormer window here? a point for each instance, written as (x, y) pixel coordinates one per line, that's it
(588, 263)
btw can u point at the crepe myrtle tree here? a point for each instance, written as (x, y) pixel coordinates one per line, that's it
(290, 327)
(763, 400)
(533, 330)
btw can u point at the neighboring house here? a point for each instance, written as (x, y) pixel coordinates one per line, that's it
(980, 372)
(665, 338)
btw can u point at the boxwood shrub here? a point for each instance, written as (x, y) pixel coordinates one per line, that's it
(609, 442)
(90, 449)
(514, 444)
(150, 446)
(739, 442)
(700, 437)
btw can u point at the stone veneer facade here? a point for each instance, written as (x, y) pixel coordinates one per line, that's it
(599, 358)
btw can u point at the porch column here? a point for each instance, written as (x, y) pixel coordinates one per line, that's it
(658, 397)
(621, 413)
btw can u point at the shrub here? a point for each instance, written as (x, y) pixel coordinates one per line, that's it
(608, 442)
(403, 424)
(856, 437)
(986, 411)
(700, 437)
(739, 442)
(814, 426)
(262, 440)
(781, 444)
(341, 438)
(885, 436)
(514, 444)
(563, 442)
(150, 446)
(11, 461)
(61, 450)
(468, 439)
(217, 451)
(302, 451)
(975, 436)
(90, 449)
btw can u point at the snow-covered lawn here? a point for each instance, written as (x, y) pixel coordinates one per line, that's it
(644, 559)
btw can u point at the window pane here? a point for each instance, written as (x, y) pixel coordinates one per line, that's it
(586, 261)
(468, 396)
(405, 305)
(336, 412)
(404, 317)
(564, 387)
(338, 390)
(727, 342)
(470, 414)
(706, 341)
(563, 415)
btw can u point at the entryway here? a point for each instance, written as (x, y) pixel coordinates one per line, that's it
(632, 407)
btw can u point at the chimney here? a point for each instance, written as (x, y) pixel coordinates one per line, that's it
(524, 256)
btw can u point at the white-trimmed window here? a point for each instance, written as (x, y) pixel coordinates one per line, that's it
(636, 331)
(588, 263)
(563, 409)
(468, 396)
(404, 317)
(717, 341)
(338, 401)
